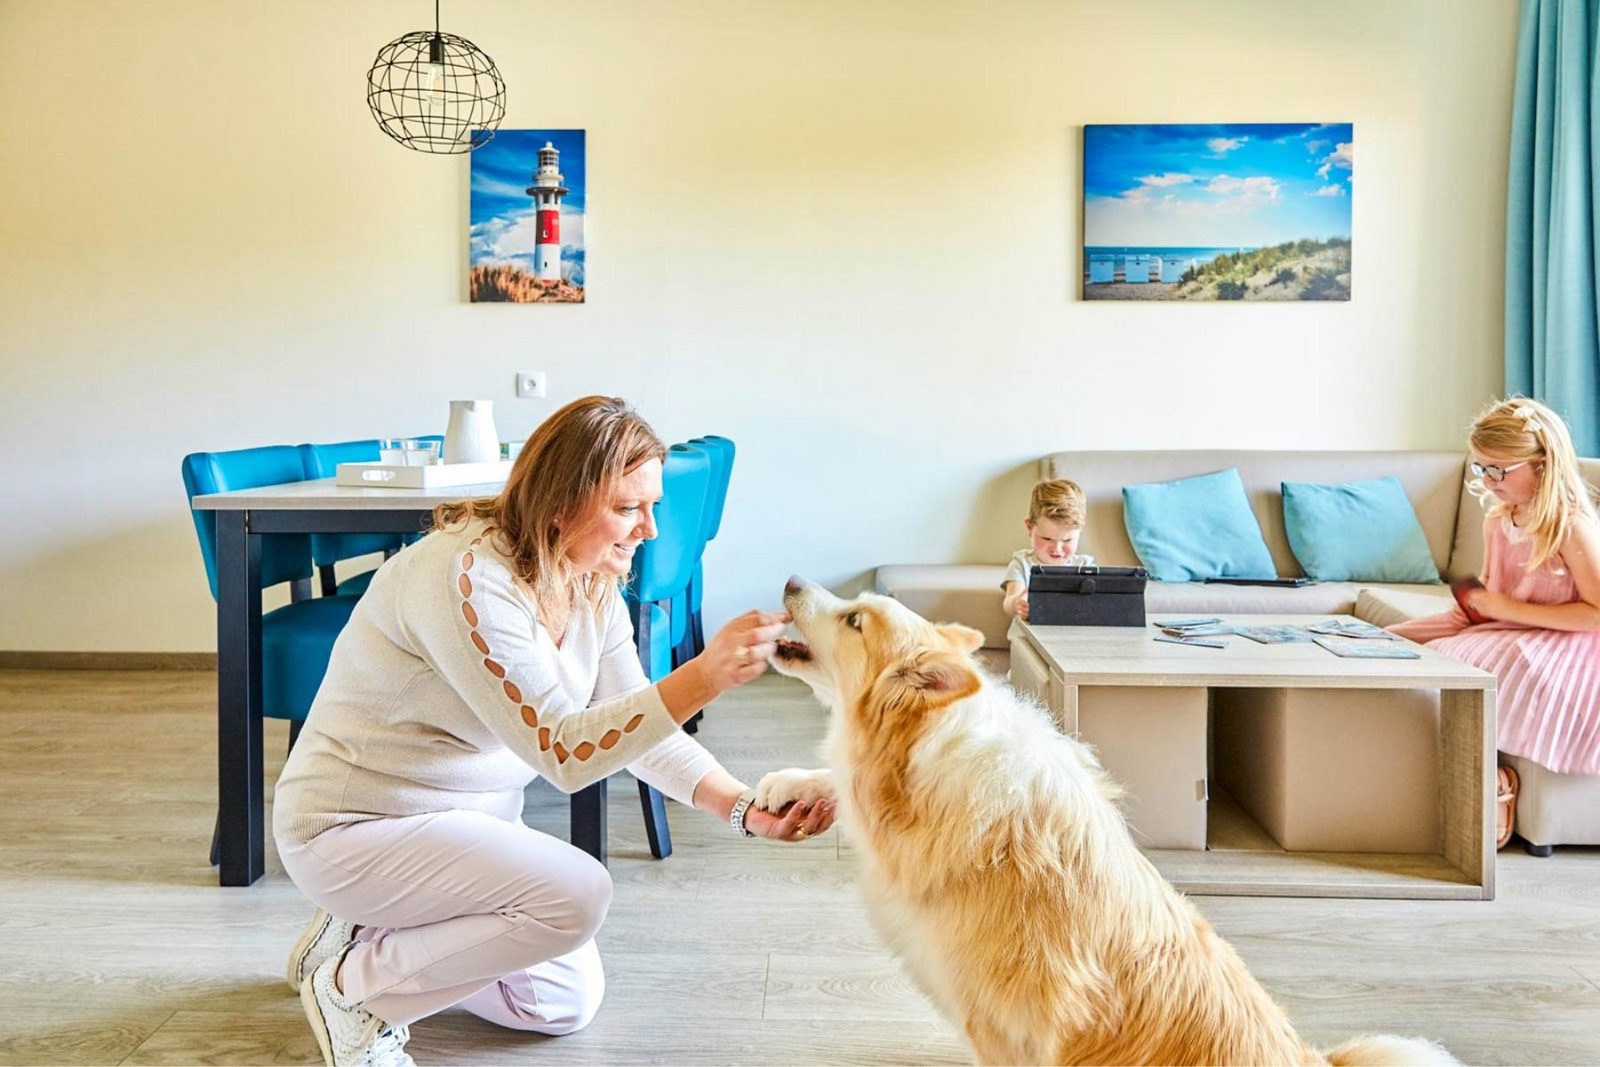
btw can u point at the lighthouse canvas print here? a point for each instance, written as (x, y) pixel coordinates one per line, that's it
(527, 213)
(1255, 211)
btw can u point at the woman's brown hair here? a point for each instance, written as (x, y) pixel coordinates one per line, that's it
(572, 459)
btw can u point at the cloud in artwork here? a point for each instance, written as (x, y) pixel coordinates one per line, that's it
(1221, 146)
(1340, 157)
(513, 238)
(1140, 194)
(1162, 181)
(1257, 188)
(1330, 190)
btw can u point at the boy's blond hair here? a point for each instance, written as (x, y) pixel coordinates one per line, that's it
(1058, 500)
(1521, 429)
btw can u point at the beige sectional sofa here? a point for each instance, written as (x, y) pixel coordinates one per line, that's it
(1554, 809)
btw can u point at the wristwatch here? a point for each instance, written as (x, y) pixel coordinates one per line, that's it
(736, 816)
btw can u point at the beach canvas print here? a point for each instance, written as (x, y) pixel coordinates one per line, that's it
(1255, 211)
(527, 214)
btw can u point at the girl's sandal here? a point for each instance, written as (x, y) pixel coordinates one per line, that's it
(1505, 795)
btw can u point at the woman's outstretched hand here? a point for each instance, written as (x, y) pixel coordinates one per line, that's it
(797, 822)
(740, 650)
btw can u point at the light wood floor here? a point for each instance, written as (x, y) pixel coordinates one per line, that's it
(117, 946)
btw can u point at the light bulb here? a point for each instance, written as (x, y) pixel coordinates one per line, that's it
(433, 85)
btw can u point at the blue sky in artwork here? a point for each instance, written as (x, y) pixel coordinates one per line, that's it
(502, 213)
(503, 169)
(1216, 185)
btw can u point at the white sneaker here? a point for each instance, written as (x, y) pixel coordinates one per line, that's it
(348, 1034)
(324, 936)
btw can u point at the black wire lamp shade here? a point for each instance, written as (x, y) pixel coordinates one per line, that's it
(436, 92)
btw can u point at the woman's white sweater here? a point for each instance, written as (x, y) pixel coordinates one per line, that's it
(445, 693)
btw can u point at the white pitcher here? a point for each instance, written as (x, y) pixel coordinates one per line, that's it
(471, 436)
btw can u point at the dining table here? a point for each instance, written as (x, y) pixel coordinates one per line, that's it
(243, 518)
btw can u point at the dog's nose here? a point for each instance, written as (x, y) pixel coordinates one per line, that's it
(795, 584)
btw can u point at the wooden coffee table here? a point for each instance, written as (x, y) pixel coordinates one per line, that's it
(1282, 770)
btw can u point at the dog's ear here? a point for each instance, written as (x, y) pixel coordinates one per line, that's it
(965, 639)
(939, 675)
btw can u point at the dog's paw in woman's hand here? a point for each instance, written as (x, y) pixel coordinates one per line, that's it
(779, 789)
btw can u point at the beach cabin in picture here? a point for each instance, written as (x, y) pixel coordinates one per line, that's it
(1172, 269)
(1102, 268)
(1137, 268)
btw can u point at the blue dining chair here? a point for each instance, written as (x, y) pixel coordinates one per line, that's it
(297, 638)
(688, 629)
(664, 565)
(322, 461)
(688, 636)
(661, 569)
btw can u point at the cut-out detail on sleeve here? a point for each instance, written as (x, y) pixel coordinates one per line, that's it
(583, 749)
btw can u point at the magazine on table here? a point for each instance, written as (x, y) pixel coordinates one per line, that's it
(1188, 624)
(1275, 635)
(1351, 628)
(1198, 642)
(1359, 648)
(1197, 631)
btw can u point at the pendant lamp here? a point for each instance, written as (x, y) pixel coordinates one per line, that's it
(436, 92)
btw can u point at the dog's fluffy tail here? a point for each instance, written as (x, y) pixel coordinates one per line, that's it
(1384, 1050)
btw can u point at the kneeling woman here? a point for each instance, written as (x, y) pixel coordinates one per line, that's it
(495, 649)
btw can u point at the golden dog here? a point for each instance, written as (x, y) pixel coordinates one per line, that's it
(998, 867)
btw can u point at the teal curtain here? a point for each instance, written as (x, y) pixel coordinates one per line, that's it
(1552, 228)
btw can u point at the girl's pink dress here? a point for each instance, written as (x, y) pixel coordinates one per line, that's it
(1549, 680)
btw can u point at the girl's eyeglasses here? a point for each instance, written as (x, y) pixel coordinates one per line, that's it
(1494, 473)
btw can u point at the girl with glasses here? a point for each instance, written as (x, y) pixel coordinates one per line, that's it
(1532, 618)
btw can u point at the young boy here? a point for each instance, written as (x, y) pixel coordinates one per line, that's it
(1054, 523)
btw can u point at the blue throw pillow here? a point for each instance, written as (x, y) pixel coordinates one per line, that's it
(1196, 528)
(1356, 532)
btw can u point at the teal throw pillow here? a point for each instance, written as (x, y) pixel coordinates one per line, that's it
(1356, 532)
(1196, 528)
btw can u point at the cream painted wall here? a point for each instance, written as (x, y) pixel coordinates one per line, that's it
(208, 244)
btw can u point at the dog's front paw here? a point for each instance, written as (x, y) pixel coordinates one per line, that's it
(779, 789)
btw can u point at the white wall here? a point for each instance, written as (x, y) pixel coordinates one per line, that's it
(208, 245)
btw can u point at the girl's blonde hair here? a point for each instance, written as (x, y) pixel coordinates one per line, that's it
(1059, 500)
(1520, 429)
(564, 471)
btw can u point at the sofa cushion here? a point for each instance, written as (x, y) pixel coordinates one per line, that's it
(1432, 481)
(1356, 531)
(1198, 527)
(961, 592)
(1385, 605)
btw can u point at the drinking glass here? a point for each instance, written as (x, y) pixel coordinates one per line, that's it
(392, 451)
(421, 453)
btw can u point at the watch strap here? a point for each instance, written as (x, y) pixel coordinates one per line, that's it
(740, 807)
